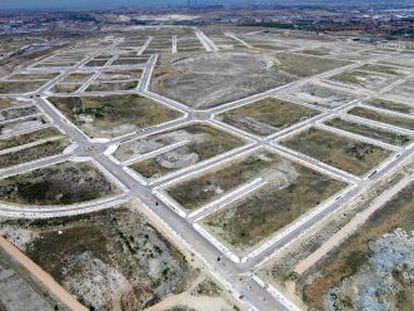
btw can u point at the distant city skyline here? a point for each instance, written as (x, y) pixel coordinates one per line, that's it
(94, 4)
(110, 4)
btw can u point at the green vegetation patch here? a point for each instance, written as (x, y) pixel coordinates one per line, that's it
(47, 149)
(60, 184)
(113, 115)
(382, 117)
(292, 191)
(353, 156)
(267, 116)
(371, 132)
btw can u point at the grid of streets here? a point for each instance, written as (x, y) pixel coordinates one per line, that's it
(234, 271)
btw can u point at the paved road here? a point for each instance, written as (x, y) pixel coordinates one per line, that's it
(233, 274)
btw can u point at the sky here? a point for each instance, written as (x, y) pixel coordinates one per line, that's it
(87, 4)
(105, 4)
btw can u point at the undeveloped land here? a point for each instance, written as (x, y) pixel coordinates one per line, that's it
(17, 112)
(389, 137)
(18, 291)
(207, 80)
(211, 185)
(37, 152)
(63, 183)
(110, 116)
(28, 138)
(407, 123)
(392, 105)
(373, 269)
(318, 95)
(267, 116)
(111, 86)
(353, 156)
(291, 191)
(368, 80)
(110, 260)
(19, 87)
(203, 142)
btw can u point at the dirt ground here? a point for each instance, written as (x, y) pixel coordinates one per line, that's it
(292, 191)
(63, 183)
(353, 156)
(113, 260)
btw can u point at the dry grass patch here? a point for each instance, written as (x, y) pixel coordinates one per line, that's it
(382, 117)
(113, 115)
(267, 116)
(353, 156)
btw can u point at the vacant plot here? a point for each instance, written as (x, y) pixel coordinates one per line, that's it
(291, 191)
(77, 77)
(391, 105)
(304, 66)
(111, 116)
(112, 86)
(318, 95)
(208, 80)
(18, 291)
(369, 80)
(382, 117)
(16, 126)
(266, 116)
(66, 87)
(35, 76)
(319, 51)
(19, 87)
(211, 185)
(389, 137)
(96, 63)
(382, 69)
(120, 75)
(128, 61)
(7, 102)
(28, 138)
(47, 149)
(17, 112)
(379, 254)
(61, 184)
(353, 156)
(109, 260)
(202, 142)
(403, 91)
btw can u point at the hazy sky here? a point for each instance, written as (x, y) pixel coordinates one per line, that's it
(103, 4)
(36, 4)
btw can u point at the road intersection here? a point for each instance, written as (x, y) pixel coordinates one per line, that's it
(232, 271)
